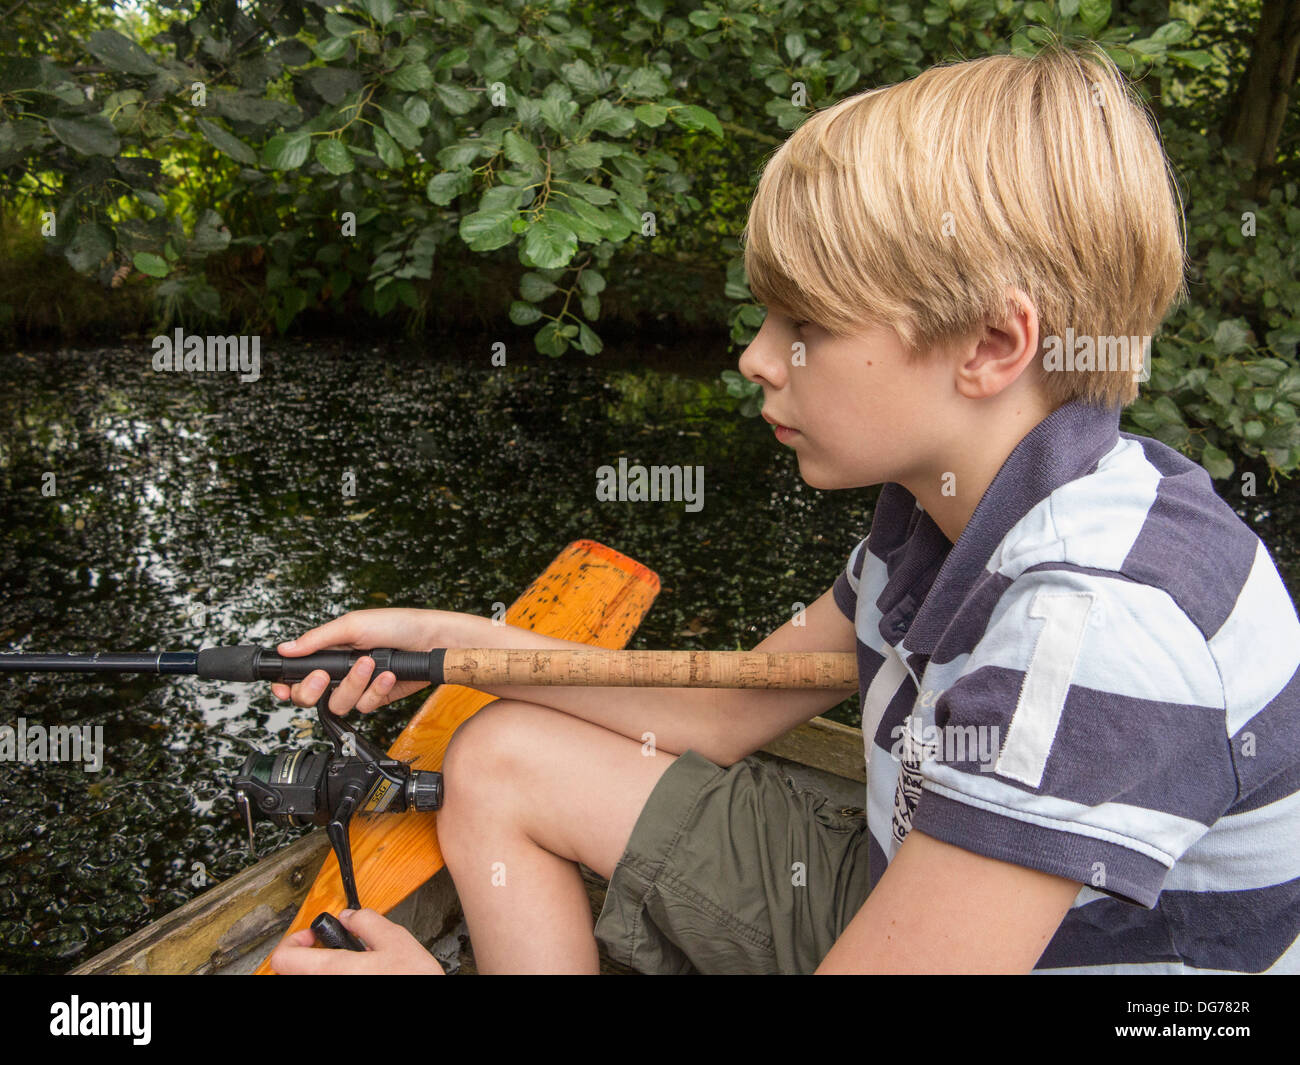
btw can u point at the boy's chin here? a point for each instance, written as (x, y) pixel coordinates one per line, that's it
(829, 480)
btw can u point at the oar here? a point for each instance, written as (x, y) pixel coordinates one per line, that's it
(481, 666)
(590, 594)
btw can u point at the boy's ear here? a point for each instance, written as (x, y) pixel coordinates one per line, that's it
(994, 358)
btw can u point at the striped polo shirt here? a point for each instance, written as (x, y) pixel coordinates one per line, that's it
(1100, 680)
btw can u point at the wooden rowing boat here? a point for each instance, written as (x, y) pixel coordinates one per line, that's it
(589, 593)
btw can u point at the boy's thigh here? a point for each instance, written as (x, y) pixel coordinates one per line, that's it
(574, 787)
(734, 870)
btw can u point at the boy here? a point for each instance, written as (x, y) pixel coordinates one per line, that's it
(1078, 668)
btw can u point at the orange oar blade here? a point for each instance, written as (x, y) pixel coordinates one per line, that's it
(590, 593)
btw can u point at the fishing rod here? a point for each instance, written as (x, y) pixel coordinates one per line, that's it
(480, 666)
(314, 787)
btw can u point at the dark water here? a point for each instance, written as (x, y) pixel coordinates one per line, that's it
(190, 510)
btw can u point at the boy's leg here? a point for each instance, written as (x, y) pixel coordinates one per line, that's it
(531, 791)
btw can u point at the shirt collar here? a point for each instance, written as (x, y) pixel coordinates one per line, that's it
(1064, 446)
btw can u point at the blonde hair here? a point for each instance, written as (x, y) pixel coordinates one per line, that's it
(917, 205)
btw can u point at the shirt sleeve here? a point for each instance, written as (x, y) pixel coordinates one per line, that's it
(1084, 735)
(845, 588)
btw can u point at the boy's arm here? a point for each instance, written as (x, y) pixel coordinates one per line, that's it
(722, 724)
(941, 909)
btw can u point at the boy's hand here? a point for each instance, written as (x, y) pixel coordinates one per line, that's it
(393, 951)
(402, 629)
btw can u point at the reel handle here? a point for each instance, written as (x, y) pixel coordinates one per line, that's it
(331, 933)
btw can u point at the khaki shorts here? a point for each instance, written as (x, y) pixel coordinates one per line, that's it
(734, 870)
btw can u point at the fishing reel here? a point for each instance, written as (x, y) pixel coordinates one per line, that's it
(326, 787)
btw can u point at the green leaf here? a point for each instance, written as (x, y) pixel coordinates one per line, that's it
(89, 136)
(227, 143)
(1195, 60)
(706, 20)
(1231, 336)
(91, 244)
(549, 340)
(520, 151)
(149, 263)
(522, 313)
(417, 110)
(383, 11)
(402, 129)
(287, 151)
(1168, 410)
(535, 288)
(455, 99)
(414, 77)
(245, 107)
(120, 53)
(597, 194)
(690, 117)
(1094, 13)
(583, 79)
(549, 243)
(589, 341)
(556, 112)
(585, 155)
(330, 49)
(451, 59)
(651, 114)
(340, 26)
(1220, 391)
(386, 148)
(445, 187)
(1216, 463)
(604, 116)
(487, 230)
(644, 81)
(333, 84)
(334, 156)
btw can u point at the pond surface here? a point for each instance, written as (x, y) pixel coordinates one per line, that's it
(147, 511)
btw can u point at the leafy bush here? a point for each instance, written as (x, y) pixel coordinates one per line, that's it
(336, 152)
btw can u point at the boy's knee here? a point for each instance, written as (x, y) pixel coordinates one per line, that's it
(488, 752)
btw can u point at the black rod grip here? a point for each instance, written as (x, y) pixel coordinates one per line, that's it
(229, 663)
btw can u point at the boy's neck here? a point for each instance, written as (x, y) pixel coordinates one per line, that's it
(973, 468)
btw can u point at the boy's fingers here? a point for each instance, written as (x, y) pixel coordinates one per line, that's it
(308, 691)
(280, 691)
(336, 633)
(291, 960)
(377, 694)
(349, 690)
(376, 930)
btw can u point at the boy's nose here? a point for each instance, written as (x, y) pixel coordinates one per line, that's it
(760, 362)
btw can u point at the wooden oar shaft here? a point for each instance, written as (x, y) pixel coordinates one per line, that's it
(487, 666)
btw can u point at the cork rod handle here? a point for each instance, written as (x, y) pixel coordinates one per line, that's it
(478, 666)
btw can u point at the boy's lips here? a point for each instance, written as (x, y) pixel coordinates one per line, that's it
(783, 432)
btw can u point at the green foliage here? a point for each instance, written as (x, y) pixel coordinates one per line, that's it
(338, 151)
